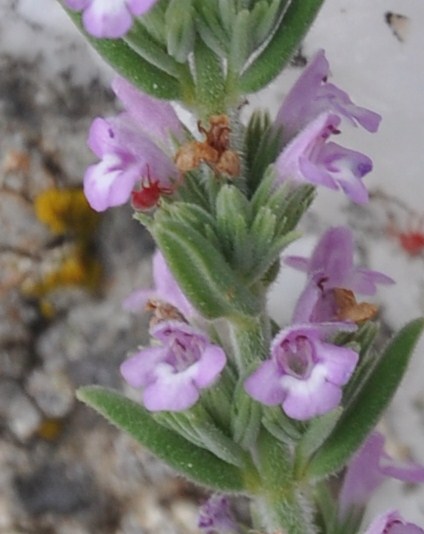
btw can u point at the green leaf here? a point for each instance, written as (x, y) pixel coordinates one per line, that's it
(292, 207)
(152, 51)
(265, 263)
(232, 216)
(209, 26)
(195, 463)
(202, 273)
(227, 12)
(283, 506)
(364, 337)
(194, 216)
(280, 425)
(240, 41)
(318, 431)
(245, 417)
(197, 426)
(210, 89)
(364, 412)
(270, 62)
(180, 31)
(259, 123)
(265, 151)
(275, 460)
(263, 230)
(266, 25)
(132, 66)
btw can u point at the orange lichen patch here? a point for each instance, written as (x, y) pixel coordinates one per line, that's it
(75, 269)
(50, 429)
(55, 264)
(16, 161)
(66, 211)
(215, 150)
(350, 310)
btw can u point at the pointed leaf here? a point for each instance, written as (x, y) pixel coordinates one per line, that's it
(197, 464)
(266, 25)
(317, 432)
(286, 39)
(200, 428)
(227, 12)
(201, 271)
(209, 80)
(365, 411)
(245, 417)
(240, 41)
(210, 27)
(132, 66)
(180, 32)
(152, 51)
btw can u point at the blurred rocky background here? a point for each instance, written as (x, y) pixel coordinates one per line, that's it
(63, 469)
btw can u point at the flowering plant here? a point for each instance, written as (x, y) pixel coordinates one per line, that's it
(282, 414)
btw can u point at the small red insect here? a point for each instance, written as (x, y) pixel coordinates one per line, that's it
(412, 240)
(148, 196)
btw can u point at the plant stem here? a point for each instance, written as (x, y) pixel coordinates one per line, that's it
(281, 505)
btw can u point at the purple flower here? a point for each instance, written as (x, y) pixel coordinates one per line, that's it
(172, 373)
(367, 470)
(215, 516)
(165, 289)
(391, 522)
(312, 95)
(331, 267)
(109, 18)
(310, 158)
(132, 147)
(308, 116)
(304, 373)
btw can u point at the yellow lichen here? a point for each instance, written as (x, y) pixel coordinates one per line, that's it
(66, 211)
(72, 263)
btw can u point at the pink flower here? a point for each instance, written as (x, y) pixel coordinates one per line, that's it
(165, 289)
(366, 472)
(215, 516)
(311, 158)
(109, 18)
(309, 115)
(312, 95)
(132, 147)
(172, 373)
(391, 522)
(330, 267)
(304, 373)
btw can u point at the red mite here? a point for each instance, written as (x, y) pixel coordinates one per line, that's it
(412, 241)
(149, 195)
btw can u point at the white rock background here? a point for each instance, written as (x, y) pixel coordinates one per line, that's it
(381, 71)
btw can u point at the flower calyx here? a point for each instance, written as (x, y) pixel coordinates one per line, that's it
(348, 309)
(215, 150)
(163, 311)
